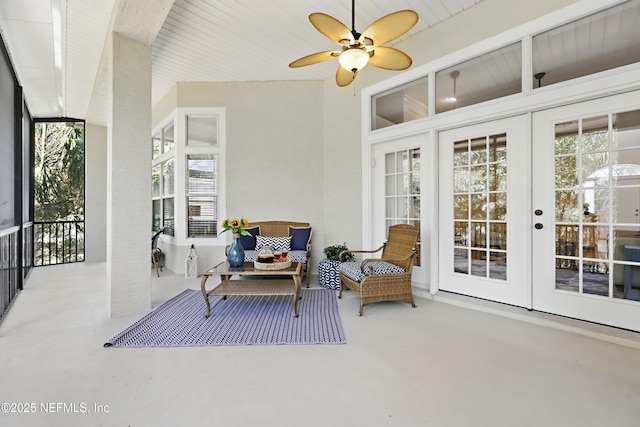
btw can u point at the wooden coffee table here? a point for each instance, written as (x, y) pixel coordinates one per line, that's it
(252, 281)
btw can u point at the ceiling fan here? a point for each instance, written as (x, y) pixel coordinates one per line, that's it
(360, 49)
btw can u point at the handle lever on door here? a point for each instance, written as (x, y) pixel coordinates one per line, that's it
(538, 226)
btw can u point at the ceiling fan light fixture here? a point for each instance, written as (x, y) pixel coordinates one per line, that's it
(353, 59)
(357, 49)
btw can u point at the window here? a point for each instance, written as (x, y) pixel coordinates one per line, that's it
(167, 139)
(163, 181)
(201, 181)
(400, 105)
(202, 131)
(596, 43)
(187, 185)
(489, 76)
(202, 218)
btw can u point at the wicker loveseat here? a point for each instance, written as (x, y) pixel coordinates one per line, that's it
(300, 245)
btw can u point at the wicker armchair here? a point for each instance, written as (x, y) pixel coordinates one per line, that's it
(387, 278)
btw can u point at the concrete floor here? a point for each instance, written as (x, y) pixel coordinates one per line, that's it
(441, 364)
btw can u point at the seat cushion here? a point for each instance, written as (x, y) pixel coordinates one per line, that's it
(298, 256)
(354, 271)
(295, 256)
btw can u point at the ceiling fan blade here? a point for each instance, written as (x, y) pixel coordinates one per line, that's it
(344, 77)
(315, 58)
(331, 27)
(389, 58)
(390, 27)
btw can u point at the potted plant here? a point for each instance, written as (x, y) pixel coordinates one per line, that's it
(333, 252)
(328, 274)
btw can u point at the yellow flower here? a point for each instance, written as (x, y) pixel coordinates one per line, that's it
(236, 226)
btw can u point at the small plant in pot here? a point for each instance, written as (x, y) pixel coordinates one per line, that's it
(333, 253)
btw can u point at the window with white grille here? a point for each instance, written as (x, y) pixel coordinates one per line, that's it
(202, 218)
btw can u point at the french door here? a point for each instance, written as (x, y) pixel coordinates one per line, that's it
(397, 177)
(484, 242)
(586, 202)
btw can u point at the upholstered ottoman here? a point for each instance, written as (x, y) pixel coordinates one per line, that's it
(328, 274)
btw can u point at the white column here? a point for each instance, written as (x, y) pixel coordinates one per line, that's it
(95, 222)
(129, 177)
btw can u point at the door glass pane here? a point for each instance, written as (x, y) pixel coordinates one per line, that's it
(567, 208)
(479, 263)
(498, 206)
(461, 233)
(461, 260)
(461, 206)
(598, 205)
(498, 265)
(480, 211)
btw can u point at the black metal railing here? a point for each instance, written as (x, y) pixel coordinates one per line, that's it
(9, 268)
(58, 242)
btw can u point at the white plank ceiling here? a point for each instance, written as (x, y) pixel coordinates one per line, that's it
(56, 45)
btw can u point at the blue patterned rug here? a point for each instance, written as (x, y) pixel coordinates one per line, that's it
(238, 320)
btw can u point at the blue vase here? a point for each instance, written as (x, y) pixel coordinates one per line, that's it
(235, 255)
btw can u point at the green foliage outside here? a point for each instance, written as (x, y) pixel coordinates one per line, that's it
(59, 171)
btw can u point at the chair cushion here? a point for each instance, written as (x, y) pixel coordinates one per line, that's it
(299, 237)
(275, 243)
(249, 242)
(353, 269)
